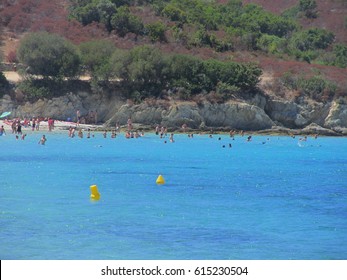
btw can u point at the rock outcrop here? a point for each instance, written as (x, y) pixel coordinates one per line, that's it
(293, 115)
(254, 114)
(230, 115)
(337, 116)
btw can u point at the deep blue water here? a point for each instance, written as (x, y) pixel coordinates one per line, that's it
(278, 200)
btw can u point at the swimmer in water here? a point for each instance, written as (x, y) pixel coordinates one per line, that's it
(80, 133)
(43, 140)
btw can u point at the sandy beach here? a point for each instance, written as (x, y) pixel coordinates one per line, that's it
(58, 126)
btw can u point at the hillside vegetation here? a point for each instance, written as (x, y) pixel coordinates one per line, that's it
(184, 47)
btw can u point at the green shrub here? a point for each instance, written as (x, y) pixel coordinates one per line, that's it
(156, 31)
(290, 80)
(308, 7)
(95, 57)
(316, 87)
(174, 13)
(34, 90)
(311, 39)
(124, 22)
(227, 90)
(49, 55)
(3, 80)
(340, 52)
(271, 44)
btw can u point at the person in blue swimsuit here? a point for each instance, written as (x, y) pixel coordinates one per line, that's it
(2, 130)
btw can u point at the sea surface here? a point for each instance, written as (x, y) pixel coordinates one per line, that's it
(270, 198)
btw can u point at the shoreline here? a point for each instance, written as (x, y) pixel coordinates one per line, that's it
(63, 126)
(58, 126)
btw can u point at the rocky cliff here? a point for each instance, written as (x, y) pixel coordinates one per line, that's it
(259, 113)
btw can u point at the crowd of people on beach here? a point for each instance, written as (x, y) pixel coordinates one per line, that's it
(28, 124)
(91, 117)
(33, 124)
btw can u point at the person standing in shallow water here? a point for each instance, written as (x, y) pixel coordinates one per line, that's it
(80, 133)
(2, 130)
(43, 140)
(78, 117)
(19, 127)
(37, 124)
(33, 124)
(130, 124)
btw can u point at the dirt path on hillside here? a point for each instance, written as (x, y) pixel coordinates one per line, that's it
(12, 76)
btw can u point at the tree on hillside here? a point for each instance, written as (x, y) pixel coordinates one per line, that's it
(49, 55)
(106, 10)
(308, 7)
(85, 12)
(3, 82)
(156, 31)
(95, 57)
(140, 70)
(124, 21)
(187, 72)
(312, 39)
(340, 52)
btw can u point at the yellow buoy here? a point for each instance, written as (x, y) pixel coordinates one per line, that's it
(95, 195)
(160, 180)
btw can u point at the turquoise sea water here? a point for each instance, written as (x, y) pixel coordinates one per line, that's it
(271, 198)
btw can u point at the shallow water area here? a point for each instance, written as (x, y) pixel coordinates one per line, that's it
(270, 198)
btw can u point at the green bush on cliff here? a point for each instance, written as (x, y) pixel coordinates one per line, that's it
(49, 55)
(271, 44)
(156, 31)
(187, 72)
(95, 58)
(311, 39)
(203, 76)
(123, 22)
(3, 84)
(35, 89)
(340, 52)
(308, 7)
(305, 8)
(3, 80)
(316, 87)
(139, 69)
(146, 71)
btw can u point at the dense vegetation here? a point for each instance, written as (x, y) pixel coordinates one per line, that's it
(3, 83)
(143, 71)
(221, 27)
(48, 55)
(196, 23)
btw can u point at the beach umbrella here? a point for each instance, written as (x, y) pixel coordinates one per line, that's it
(5, 114)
